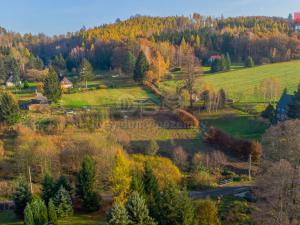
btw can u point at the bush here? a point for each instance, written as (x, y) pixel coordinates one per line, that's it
(169, 76)
(151, 148)
(152, 88)
(202, 180)
(52, 126)
(91, 120)
(187, 118)
(237, 147)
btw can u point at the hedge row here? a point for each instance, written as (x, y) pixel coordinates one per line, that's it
(152, 88)
(237, 147)
(187, 118)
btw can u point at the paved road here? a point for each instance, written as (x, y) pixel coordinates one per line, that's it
(220, 192)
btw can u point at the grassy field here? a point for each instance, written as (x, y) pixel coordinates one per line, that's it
(9, 218)
(103, 97)
(243, 84)
(236, 123)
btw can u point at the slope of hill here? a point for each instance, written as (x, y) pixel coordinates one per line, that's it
(244, 84)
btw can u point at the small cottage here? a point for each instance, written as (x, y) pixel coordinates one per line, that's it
(10, 82)
(282, 107)
(213, 58)
(66, 83)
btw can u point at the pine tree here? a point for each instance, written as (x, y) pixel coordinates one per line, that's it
(39, 211)
(86, 72)
(9, 109)
(137, 184)
(52, 88)
(152, 148)
(21, 197)
(181, 210)
(151, 189)
(52, 213)
(137, 211)
(129, 62)
(294, 107)
(249, 62)
(222, 96)
(86, 185)
(269, 113)
(117, 215)
(217, 65)
(141, 67)
(63, 182)
(28, 216)
(63, 203)
(227, 62)
(48, 188)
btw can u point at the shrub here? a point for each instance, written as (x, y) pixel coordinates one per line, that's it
(152, 148)
(206, 213)
(234, 146)
(52, 126)
(152, 88)
(180, 157)
(169, 76)
(187, 118)
(91, 120)
(202, 180)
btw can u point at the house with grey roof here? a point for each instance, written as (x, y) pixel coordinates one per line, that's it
(282, 107)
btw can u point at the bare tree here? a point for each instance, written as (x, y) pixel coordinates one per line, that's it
(278, 196)
(180, 157)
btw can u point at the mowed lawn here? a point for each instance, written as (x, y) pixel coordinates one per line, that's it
(9, 218)
(243, 84)
(107, 97)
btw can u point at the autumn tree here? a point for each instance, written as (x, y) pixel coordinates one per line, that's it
(120, 178)
(85, 185)
(52, 89)
(158, 68)
(141, 67)
(206, 213)
(270, 89)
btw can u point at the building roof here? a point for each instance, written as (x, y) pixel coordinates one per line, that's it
(10, 79)
(284, 101)
(65, 81)
(213, 57)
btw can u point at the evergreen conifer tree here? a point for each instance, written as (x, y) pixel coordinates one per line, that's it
(249, 62)
(141, 67)
(86, 185)
(117, 215)
(63, 203)
(86, 72)
(28, 216)
(39, 211)
(52, 88)
(21, 197)
(294, 107)
(137, 210)
(48, 188)
(9, 109)
(52, 213)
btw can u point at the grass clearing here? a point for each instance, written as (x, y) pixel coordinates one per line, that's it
(9, 218)
(106, 97)
(242, 84)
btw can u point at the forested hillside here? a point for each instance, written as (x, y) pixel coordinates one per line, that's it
(116, 46)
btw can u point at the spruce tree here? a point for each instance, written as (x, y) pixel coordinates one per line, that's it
(21, 197)
(48, 188)
(129, 62)
(181, 210)
(52, 88)
(28, 216)
(141, 67)
(151, 189)
(52, 213)
(249, 62)
(227, 62)
(86, 72)
(9, 109)
(137, 210)
(39, 211)
(63, 203)
(117, 215)
(294, 106)
(269, 113)
(137, 183)
(63, 182)
(86, 185)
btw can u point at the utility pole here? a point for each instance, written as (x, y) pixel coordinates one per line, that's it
(30, 181)
(250, 165)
